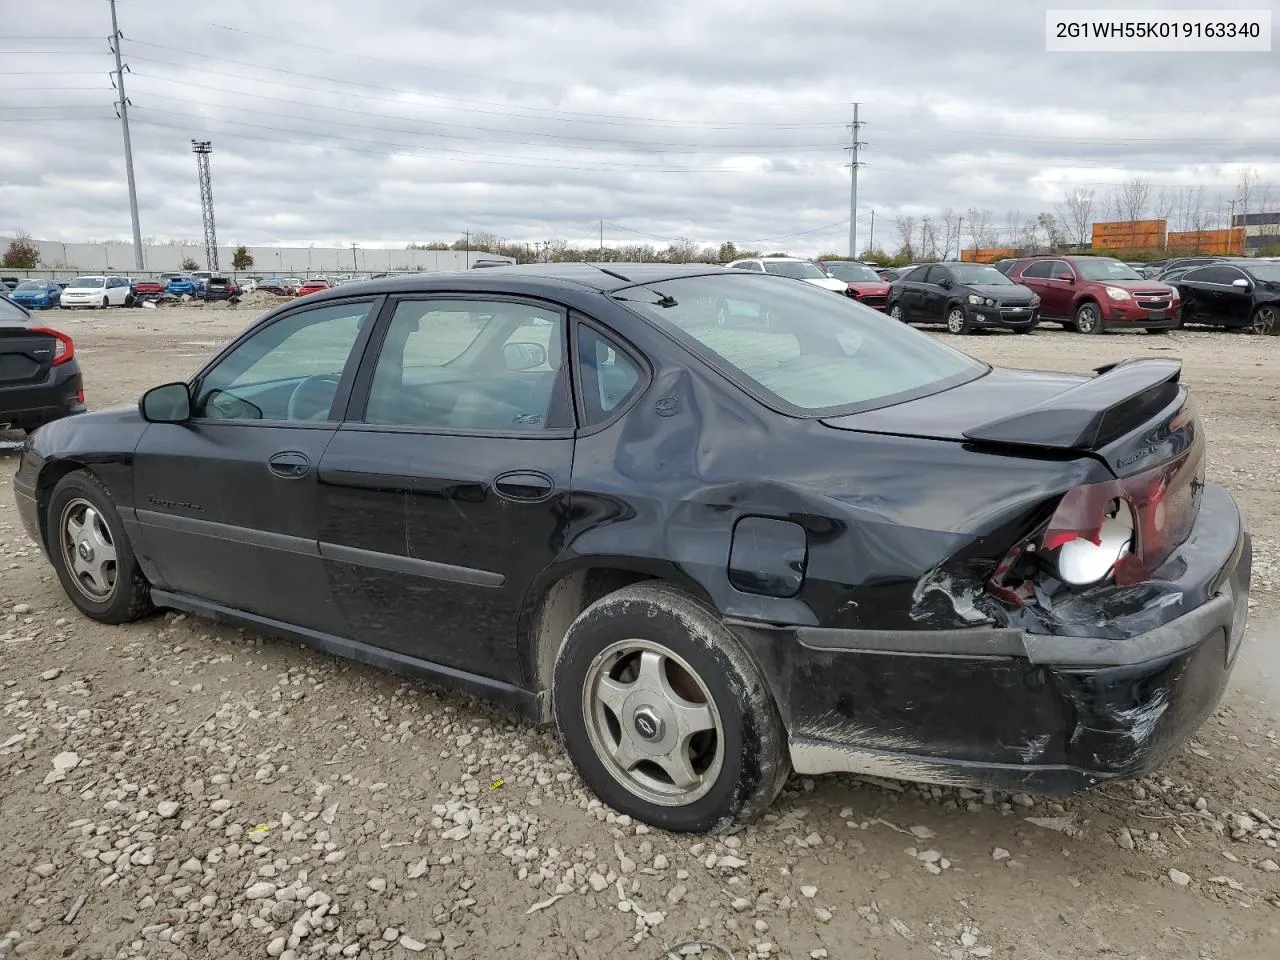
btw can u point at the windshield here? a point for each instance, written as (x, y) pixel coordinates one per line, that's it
(1266, 272)
(795, 269)
(86, 282)
(799, 349)
(853, 272)
(977, 273)
(33, 285)
(1103, 268)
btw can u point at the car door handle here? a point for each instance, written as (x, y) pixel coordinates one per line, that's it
(289, 465)
(526, 485)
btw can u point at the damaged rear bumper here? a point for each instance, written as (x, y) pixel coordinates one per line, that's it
(1003, 708)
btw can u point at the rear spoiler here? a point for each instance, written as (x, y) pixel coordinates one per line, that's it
(1122, 396)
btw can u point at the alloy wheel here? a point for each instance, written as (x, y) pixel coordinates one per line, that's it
(896, 312)
(653, 722)
(956, 321)
(1087, 319)
(1265, 321)
(88, 550)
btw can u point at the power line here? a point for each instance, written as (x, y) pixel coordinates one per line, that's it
(523, 83)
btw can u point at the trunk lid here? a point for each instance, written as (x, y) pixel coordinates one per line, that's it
(1134, 416)
(26, 353)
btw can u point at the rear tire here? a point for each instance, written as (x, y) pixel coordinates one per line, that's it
(91, 553)
(1089, 318)
(665, 714)
(895, 311)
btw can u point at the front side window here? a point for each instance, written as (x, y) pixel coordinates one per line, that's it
(1219, 275)
(1040, 270)
(288, 370)
(468, 365)
(796, 347)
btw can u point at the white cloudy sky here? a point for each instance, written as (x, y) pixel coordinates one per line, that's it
(386, 121)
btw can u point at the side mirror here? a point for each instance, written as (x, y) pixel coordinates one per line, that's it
(524, 355)
(170, 403)
(1069, 277)
(945, 283)
(1240, 282)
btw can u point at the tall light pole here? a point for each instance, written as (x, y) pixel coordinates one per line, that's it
(122, 110)
(202, 149)
(854, 163)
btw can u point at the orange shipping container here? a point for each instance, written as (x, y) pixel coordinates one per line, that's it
(1207, 241)
(987, 254)
(1129, 234)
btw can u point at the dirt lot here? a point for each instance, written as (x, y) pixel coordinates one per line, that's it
(174, 789)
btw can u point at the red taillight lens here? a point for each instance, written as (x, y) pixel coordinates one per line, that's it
(65, 347)
(1163, 502)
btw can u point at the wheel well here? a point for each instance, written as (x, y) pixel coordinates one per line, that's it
(561, 605)
(45, 483)
(1087, 298)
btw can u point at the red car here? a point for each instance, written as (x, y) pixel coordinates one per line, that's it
(147, 289)
(1097, 294)
(313, 286)
(865, 284)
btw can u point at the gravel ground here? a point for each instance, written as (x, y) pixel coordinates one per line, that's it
(176, 789)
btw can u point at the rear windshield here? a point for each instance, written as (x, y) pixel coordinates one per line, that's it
(852, 272)
(10, 311)
(1103, 268)
(797, 270)
(797, 348)
(82, 282)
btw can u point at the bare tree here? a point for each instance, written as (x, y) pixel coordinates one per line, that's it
(1049, 231)
(906, 228)
(1269, 230)
(978, 223)
(950, 233)
(1075, 213)
(1013, 228)
(1135, 195)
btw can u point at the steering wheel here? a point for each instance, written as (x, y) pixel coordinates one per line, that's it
(312, 398)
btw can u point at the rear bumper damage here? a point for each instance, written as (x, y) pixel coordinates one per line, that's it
(1004, 708)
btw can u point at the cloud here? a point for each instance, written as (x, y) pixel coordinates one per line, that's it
(711, 121)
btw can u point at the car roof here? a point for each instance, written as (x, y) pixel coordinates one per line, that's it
(532, 278)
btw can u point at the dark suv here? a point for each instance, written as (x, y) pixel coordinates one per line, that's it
(963, 296)
(39, 376)
(1097, 294)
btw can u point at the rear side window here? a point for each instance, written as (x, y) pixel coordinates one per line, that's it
(607, 375)
(1040, 270)
(916, 275)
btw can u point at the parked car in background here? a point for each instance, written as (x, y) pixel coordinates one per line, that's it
(36, 294)
(294, 284)
(148, 289)
(864, 284)
(40, 379)
(182, 284)
(9, 284)
(220, 288)
(951, 574)
(97, 291)
(314, 285)
(1097, 294)
(1242, 294)
(1004, 265)
(792, 267)
(964, 297)
(246, 284)
(275, 285)
(1157, 270)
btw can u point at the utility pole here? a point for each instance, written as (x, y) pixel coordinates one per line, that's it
(871, 243)
(602, 239)
(202, 149)
(1231, 224)
(467, 244)
(122, 110)
(854, 163)
(354, 265)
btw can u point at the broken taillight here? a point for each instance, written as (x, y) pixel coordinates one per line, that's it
(1158, 506)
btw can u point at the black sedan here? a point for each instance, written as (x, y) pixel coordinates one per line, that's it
(1241, 294)
(964, 296)
(711, 552)
(39, 376)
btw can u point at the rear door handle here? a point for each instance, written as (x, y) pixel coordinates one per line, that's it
(526, 485)
(289, 465)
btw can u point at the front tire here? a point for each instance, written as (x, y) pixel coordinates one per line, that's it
(106, 302)
(91, 552)
(1265, 321)
(1089, 318)
(958, 320)
(664, 713)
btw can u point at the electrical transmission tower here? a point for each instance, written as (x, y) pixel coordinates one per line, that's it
(854, 164)
(202, 149)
